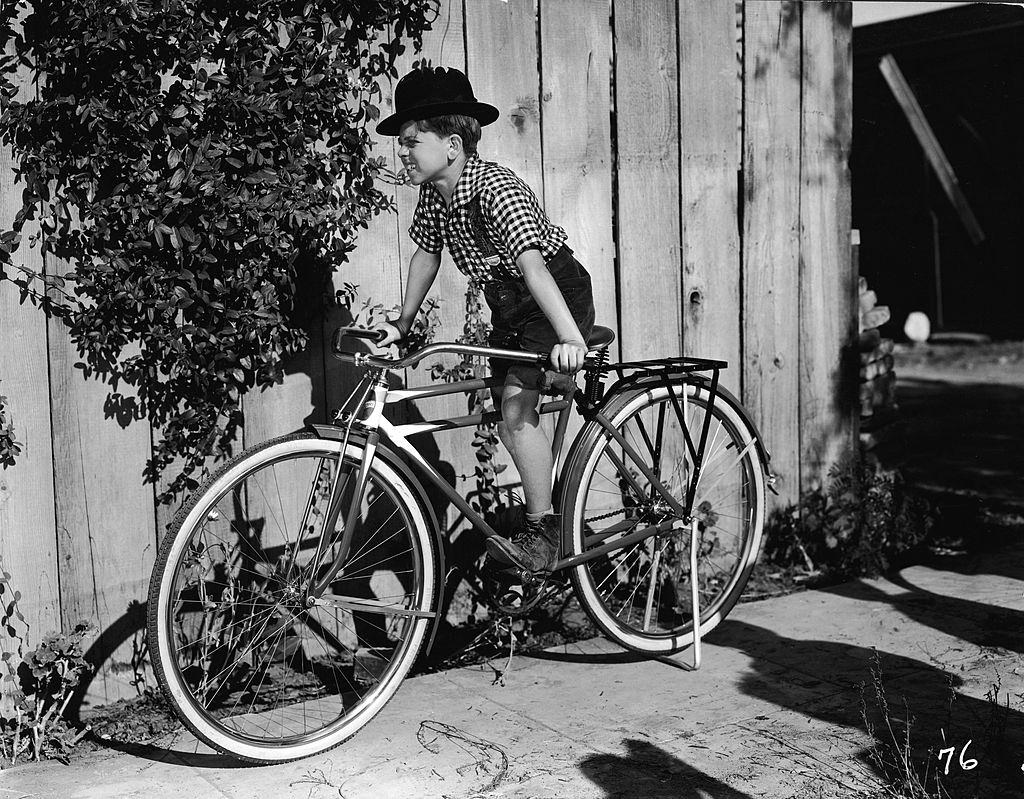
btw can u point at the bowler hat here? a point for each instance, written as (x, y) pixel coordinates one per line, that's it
(432, 92)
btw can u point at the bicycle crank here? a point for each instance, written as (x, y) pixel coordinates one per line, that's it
(519, 592)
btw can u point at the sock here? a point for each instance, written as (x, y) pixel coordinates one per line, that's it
(536, 517)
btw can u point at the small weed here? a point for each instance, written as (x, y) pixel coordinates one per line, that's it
(892, 751)
(964, 765)
(46, 677)
(32, 723)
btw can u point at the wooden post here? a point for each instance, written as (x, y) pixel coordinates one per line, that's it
(709, 91)
(771, 240)
(828, 287)
(647, 134)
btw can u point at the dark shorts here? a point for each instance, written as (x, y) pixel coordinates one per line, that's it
(518, 323)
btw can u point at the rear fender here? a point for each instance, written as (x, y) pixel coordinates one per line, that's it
(640, 380)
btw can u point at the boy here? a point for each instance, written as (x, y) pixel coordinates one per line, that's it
(539, 295)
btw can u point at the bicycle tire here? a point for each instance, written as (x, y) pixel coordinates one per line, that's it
(649, 611)
(247, 666)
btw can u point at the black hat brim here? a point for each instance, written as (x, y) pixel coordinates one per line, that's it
(482, 112)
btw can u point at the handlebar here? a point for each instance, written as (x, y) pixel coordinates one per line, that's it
(414, 358)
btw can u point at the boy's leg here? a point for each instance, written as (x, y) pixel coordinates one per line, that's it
(535, 547)
(521, 433)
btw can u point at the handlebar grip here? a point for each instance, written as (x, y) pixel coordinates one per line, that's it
(361, 332)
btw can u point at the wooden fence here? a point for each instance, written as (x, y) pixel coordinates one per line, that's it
(696, 153)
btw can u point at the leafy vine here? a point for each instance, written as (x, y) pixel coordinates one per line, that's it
(10, 447)
(201, 169)
(485, 499)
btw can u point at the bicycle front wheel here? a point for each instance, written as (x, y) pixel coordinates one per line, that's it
(639, 594)
(253, 665)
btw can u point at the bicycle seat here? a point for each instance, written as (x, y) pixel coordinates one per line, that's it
(600, 337)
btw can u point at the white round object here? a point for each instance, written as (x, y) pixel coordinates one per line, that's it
(918, 327)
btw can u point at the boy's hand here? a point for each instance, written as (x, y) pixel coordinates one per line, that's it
(568, 357)
(392, 333)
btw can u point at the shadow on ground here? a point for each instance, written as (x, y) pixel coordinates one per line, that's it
(649, 771)
(985, 626)
(919, 703)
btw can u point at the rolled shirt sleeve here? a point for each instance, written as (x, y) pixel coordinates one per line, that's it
(425, 229)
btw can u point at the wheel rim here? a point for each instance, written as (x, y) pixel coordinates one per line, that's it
(641, 593)
(245, 654)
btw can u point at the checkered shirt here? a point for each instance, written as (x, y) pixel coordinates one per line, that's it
(493, 218)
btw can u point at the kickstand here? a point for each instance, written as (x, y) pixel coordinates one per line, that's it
(694, 605)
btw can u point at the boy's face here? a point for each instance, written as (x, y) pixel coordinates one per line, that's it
(424, 154)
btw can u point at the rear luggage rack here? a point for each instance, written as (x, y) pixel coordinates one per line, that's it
(669, 366)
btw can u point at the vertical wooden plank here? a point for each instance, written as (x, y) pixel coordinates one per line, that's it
(576, 134)
(828, 286)
(501, 62)
(27, 542)
(771, 239)
(647, 135)
(709, 96)
(444, 45)
(105, 515)
(374, 267)
(27, 539)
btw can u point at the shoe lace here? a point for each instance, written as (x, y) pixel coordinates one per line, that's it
(528, 532)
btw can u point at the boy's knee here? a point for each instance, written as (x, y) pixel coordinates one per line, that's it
(517, 411)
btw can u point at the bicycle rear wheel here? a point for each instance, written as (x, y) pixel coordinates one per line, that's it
(252, 668)
(639, 594)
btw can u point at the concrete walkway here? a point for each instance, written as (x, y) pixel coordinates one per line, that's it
(775, 711)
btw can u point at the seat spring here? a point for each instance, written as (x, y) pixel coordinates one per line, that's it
(595, 377)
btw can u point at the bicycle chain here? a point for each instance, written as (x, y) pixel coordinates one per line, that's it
(646, 507)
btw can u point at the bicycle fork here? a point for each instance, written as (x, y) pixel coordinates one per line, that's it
(317, 587)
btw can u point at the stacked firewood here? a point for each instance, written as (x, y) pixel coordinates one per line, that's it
(877, 377)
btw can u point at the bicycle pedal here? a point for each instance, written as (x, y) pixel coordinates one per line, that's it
(517, 602)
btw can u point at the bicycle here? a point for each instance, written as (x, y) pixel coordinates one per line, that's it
(297, 586)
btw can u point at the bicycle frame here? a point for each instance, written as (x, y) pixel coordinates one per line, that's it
(375, 426)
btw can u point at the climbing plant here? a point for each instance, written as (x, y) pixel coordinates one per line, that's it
(193, 173)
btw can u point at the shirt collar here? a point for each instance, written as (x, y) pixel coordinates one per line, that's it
(469, 182)
(466, 188)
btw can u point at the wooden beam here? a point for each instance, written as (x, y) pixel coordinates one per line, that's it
(930, 144)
